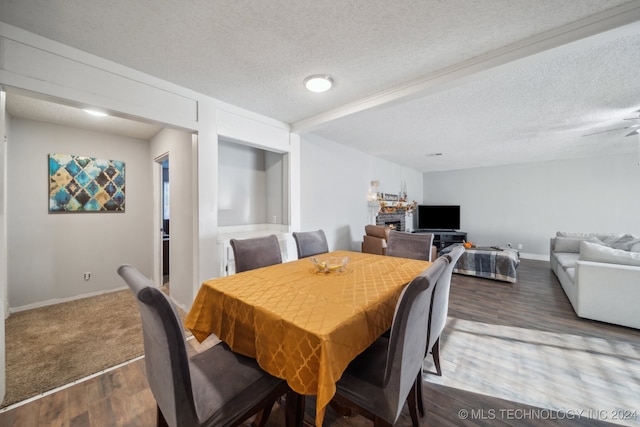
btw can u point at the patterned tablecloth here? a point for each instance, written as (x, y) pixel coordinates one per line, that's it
(301, 325)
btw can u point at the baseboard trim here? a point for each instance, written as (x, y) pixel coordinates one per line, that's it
(538, 257)
(61, 300)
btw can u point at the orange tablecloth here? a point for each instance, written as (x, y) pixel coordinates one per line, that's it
(301, 325)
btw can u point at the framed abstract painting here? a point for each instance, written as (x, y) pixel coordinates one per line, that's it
(85, 184)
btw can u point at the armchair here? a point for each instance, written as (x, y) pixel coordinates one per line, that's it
(375, 239)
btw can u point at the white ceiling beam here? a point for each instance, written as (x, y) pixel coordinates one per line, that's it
(477, 67)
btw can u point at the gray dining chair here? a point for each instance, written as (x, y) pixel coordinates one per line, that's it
(381, 379)
(411, 245)
(310, 243)
(216, 387)
(258, 252)
(438, 315)
(440, 307)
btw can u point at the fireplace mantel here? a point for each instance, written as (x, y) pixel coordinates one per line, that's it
(402, 220)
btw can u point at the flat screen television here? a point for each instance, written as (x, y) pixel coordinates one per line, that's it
(439, 217)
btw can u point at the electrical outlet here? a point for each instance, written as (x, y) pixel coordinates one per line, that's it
(519, 245)
(87, 276)
(275, 219)
(508, 245)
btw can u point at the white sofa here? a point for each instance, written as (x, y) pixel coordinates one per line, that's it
(600, 273)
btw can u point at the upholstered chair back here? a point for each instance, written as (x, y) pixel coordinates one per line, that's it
(250, 254)
(408, 338)
(410, 245)
(440, 300)
(165, 351)
(310, 243)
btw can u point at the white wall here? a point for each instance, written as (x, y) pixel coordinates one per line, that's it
(182, 187)
(4, 305)
(276, 202)
(528, 203)
(48, 253)
(335, 181)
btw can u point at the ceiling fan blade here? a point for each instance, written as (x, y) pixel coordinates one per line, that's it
(611, 130)
(635, 132)
(634, 118)
(605, 131)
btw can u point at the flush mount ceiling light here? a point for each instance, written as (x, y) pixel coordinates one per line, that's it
(318, 83)
(96, 113)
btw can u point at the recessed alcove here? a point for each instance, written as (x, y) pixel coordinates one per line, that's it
(253, 196)
(251, 186)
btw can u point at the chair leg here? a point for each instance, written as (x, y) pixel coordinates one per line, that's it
(262, 417)
(436, 356)
(379, 422)
(160, 421)
(294, 409)
(412, 402)
(341, 410)
(419, 394)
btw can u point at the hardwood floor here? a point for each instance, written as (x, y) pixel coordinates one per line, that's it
(515, 342)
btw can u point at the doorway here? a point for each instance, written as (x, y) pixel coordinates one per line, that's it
(162, 215)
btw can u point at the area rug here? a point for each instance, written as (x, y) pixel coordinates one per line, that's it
(51, 346)
(556, 371)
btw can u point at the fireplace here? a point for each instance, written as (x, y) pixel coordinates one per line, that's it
(394, 220)
(394, 225)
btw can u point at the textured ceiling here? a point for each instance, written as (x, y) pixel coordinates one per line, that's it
(255, 54)
(536, 112)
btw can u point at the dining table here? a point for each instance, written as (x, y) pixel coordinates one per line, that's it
(300, 324)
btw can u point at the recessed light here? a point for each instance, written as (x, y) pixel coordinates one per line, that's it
(318, 83)
(96, 113)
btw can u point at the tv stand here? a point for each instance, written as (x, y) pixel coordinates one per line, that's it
(444, 238)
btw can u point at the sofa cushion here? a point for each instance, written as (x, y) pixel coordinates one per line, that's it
(567, 259)
(598, 253)
(572, 244)
(571, 272)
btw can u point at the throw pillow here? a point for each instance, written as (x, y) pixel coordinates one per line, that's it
(611, 239)
(625, 242)
(599, 253)
(635, 248)
(572, 244)
(574, 235)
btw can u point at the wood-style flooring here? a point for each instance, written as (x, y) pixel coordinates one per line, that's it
(482, 315)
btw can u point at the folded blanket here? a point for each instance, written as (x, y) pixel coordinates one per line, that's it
(490, 263)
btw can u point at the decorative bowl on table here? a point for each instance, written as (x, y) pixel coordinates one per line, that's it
(329, 264)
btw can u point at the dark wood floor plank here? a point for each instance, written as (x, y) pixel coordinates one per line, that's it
(77, 403)
(53, 409)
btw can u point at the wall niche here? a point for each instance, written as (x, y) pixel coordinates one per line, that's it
(252, 187)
